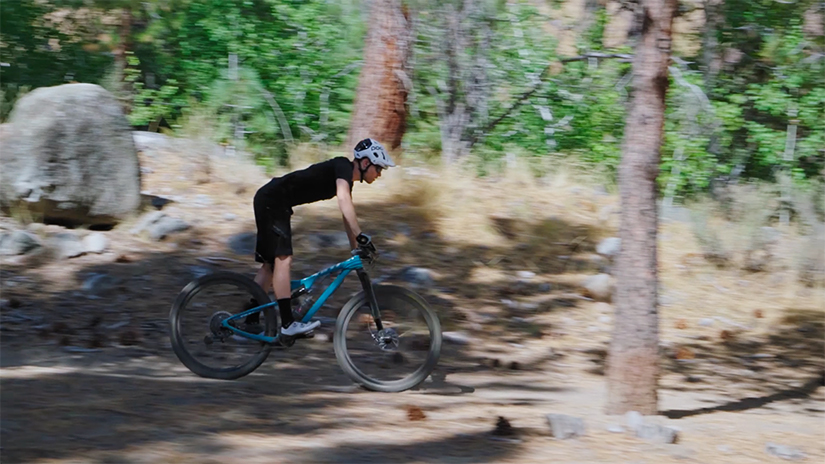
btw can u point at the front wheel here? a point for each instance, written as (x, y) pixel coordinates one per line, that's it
(394, 359)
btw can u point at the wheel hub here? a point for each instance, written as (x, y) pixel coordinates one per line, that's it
(216, 325)
(387, 339)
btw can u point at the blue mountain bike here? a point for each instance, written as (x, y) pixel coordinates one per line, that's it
(386, 338)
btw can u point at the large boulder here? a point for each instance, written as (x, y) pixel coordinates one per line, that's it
(68, 157)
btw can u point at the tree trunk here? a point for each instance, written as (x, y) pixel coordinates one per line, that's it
(633, 365)
(121, 61)
(386, 78)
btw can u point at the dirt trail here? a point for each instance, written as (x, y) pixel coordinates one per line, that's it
(88, 374)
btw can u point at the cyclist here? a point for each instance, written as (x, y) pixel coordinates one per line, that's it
(273, 207)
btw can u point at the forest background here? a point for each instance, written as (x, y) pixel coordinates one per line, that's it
(544, 81)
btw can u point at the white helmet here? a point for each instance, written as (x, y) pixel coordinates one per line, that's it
(373, 151)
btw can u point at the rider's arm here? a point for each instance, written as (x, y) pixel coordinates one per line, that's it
(348, 211)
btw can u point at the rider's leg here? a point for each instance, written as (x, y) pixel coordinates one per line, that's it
(264, 276)
(281, 286)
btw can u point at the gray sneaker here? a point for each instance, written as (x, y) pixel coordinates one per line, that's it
(298, 328)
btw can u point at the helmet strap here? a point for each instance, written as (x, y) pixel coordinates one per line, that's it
(363, 170)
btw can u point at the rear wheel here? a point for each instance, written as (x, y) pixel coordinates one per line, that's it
(198, 338)
(394, 359)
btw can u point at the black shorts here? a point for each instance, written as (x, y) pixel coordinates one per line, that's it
(274, 231)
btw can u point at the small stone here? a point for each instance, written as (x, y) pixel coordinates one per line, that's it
(615, 428)
(202, 200)
(599, 287)
(634, 420)
(693, 379)
(96, 242)
(784, 452)
(605, 319)
(18, 242)
(657, 433)
(199, 271)
(706, 322)
(526, 275)
(564, 426)
(545, 287)
(66, 245)
(418, 276)
(725, 449)
(229, 217)
(457, 338)
(609, 247)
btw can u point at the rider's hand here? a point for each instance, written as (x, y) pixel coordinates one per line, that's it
(365, 244)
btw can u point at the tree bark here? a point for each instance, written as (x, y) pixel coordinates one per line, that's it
(124, 88)
(381, 100)
(633, 365)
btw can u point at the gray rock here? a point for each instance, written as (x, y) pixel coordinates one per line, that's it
(417, 276)
(68, 156)
(165, 226)
(152, 141)
(229, 217)
(144, 222)
(243, 243)
(564, 427)
(784, 452)
(96, 242)
(599, 287)
(18, 242)
(609, 247)
(657, 433)
(199, 271)
(158, 225)
(634, 420)
(615, 428)
(650, 432)
(456, 338)
(706, 322)
(66, 245)
(525, 275)
(545, 287)
(202, 200)
(98, 283)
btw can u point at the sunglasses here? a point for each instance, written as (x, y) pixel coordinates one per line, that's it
(378, 168)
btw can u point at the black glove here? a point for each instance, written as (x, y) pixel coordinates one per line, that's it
(365, 244)
(363, 239)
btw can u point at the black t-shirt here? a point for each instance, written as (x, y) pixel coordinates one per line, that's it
(315, 183)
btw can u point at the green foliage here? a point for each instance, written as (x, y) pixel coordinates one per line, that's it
(732, 122)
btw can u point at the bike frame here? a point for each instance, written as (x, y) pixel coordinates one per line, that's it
(343, 269)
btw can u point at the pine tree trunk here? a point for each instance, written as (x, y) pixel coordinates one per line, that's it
(121, 61)
(380, 102)
(633, 364)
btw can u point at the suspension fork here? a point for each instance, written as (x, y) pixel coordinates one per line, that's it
(370, 292)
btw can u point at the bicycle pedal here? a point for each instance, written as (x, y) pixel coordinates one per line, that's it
(310, 334)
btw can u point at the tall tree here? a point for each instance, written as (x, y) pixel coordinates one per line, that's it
(381, 100)
(633, 367)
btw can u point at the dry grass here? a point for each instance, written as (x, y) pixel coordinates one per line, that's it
(476, 234)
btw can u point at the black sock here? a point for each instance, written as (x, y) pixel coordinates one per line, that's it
(285, 307)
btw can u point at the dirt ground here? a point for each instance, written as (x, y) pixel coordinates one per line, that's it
(88, 374)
